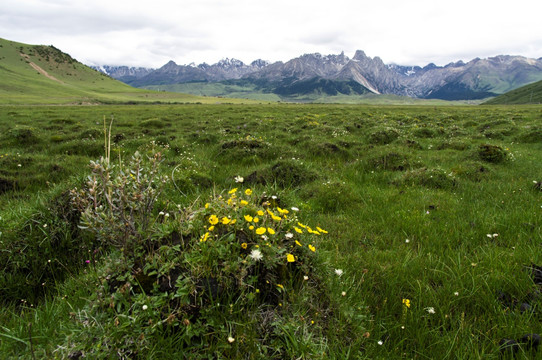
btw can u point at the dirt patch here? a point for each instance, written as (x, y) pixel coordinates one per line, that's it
(40, 70)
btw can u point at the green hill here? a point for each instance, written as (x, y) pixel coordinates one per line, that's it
(528, 94)
(38, 74)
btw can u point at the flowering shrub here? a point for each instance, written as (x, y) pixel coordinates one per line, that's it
(253, 245)
(192, 272)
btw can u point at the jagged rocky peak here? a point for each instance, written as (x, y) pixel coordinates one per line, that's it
(230, 63)
(259, 63)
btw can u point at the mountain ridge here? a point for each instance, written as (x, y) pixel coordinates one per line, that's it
(472, 80)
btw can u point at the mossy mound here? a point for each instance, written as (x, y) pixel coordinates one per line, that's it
(283, 173)
(24, 135)
(530, 136)
(473, 171)
(492, 153)
(424, 133)
(326, 149)
(392, 161)
(153, 124)
(383, 136)
(331, 197)
(431, 178)
(453, 145)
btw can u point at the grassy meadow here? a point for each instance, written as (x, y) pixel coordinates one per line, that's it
(384, 232)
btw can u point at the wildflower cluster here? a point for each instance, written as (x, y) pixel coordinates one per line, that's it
(266, 246)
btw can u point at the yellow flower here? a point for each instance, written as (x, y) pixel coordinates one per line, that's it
(256, 219)
(213, 220)
(298, 230)
(244, 245)
(232, 191)
(211, 228)
(260, 213)
(312, 248)
(251, 227)
(406, 302)
(280, 286)
(276, 218)
(298, 243)
(301, 225)
(230, 201)
(248, 192)
(226, 220)
(248, 218)
(233, 221)
(244, 203)
(282, 211)
(290, 258)
(321, 230)
(260, 231)
(204, 237)
(207, 205)
(271, 231)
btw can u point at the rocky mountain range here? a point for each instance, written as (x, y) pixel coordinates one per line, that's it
(339, 74)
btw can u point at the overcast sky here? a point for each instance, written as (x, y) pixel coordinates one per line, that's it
(150, 33)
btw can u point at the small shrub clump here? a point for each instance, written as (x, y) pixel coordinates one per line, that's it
(222, 278)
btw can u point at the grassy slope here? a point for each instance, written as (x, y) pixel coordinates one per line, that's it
(75, 83)
(369, 204)
(528, 94)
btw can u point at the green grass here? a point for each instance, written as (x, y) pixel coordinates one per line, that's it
(403, 191)
(528, 94)
(37, 74)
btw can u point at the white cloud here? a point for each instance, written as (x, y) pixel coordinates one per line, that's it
(151, 33)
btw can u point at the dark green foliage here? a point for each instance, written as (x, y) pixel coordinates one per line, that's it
(530, 136)
(23, 135)
(392, 161)
(472, 170)
(491, 153)
(321, 86)
(41, 252)
(383, 137)
(424, 133)
(285, 174)
(454, 145)
(431, 178)
(153, 124)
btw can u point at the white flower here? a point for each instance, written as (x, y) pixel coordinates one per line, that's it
(339, 272)
(294, 208)
(274, 197)
(430, 310)
(289, 235)
(239, 179)
(161, 213)
(343, 293)
(380, 342)
(456, 293)
(407, 240)
(230, 339)
(256, 255)
(144, 307)
(305, 278)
